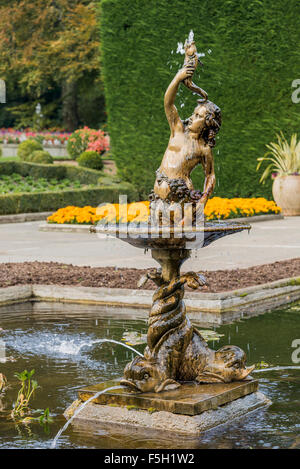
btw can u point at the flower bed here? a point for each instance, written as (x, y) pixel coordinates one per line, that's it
(216, 209)
(87, 139)
(221, 208)
(47, 137)
(137, 211)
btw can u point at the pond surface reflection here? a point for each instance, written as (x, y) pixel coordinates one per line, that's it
(58, 344)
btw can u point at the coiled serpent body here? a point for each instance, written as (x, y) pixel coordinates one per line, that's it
(175, 350)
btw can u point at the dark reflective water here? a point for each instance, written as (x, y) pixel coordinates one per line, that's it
(63, 350)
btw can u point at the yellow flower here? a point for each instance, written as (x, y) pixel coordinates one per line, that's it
(216, 208)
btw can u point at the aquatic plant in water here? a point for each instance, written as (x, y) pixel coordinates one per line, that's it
(21, 408)
(28, 386)
(210, 335)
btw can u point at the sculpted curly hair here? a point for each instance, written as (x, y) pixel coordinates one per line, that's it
(213, 122)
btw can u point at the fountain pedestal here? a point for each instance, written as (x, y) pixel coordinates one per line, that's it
(188, 386)
(170, 261)
(189, 399)
(189, 411)
(193, 407)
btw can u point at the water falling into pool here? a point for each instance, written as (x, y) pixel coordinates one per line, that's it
(77, 412)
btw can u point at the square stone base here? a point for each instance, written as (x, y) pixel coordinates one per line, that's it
(189, 399)
(127, 419)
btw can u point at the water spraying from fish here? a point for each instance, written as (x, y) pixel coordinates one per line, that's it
(77, 412)
(180, 49)
(113, 342)
(277, 368)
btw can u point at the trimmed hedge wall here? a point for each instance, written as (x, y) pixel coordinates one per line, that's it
(252, 55)
(108, 190)
(48, 171)
(47, 201)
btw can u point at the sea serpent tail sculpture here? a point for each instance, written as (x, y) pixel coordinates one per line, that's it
(175, 350)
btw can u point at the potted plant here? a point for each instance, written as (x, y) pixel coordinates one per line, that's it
(284, 165)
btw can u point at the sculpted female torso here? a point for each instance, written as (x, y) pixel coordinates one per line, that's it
(189, 145)
(182, 155)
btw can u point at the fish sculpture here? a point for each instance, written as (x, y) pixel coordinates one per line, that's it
(176, 352)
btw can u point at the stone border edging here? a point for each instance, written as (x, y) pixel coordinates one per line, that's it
(65, 228)
(257, 218)
(23, 217)
(208, 308)
(11, 150)
(73, 228)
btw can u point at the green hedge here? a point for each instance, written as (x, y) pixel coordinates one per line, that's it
(252, 55)
(47, 201)
(108, 190)
(84, 175)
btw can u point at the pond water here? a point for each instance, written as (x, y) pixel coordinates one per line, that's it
(63, 350)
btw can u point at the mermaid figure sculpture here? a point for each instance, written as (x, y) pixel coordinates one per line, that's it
(190, 144)
(176, 352)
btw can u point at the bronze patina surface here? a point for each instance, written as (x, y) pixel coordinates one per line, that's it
(190, 399)
(190, 144)
(176, 352)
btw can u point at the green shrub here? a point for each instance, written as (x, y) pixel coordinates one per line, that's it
(25, 149)
(90, 159)
(39, 139)
(41, 157)
(83, 175)
(252, 55)
(78, 143)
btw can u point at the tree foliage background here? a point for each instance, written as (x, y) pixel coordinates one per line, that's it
(49, 53)
(252, 55)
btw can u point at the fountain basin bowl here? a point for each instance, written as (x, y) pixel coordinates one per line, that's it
(164, 237)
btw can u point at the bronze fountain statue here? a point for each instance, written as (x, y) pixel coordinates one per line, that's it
(176, 352)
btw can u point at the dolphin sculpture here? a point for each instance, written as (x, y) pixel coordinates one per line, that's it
(176, 352)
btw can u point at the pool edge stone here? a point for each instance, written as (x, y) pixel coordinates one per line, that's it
(207, 308)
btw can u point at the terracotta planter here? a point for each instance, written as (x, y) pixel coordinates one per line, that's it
(286, 193)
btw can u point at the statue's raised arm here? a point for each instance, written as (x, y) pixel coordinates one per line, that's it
(184, 75)
(190, 143)
(170, 95)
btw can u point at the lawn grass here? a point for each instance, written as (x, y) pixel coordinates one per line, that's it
(10, 158)
(17, 159)
(16, 183)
